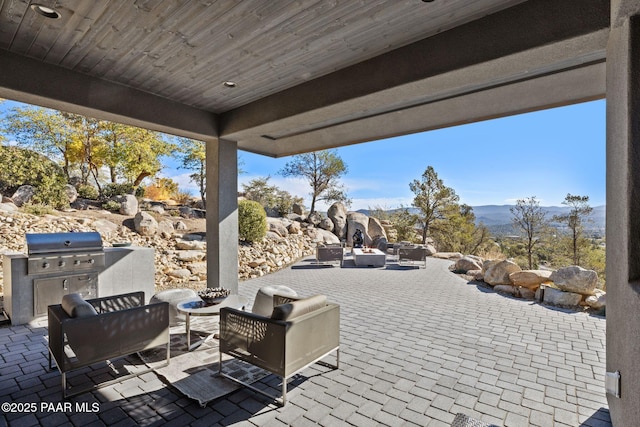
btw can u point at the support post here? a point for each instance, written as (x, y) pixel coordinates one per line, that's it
(623, 209)
(222, 214)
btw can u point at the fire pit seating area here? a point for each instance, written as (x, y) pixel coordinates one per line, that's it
(84, 332)
(298, 333)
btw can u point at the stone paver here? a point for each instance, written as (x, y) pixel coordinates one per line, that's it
(417, 346)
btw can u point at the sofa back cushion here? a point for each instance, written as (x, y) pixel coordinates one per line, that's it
(297, 308)
(75, 306)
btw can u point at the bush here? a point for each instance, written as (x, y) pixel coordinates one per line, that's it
(86, 191)
(26, 167)
(111, 205)
(252, 221)
(112, 190)
(35, 209)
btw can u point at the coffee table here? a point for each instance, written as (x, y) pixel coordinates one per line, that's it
(368, 257)
(197, 307)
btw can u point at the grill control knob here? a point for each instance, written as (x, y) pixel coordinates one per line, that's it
(62, 264)
(76, 262)
(46, 265)
(91, 261)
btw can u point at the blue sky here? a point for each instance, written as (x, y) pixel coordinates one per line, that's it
(546, 154)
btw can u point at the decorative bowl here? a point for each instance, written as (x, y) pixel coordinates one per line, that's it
(212, 296)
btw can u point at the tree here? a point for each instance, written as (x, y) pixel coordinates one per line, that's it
(321, 169)
(193, 154)
(458, 232)
(405, 224)
(575, 219)
(42, 130)
(270, 196)
(142, 154)
(530, 218)
(432, 198)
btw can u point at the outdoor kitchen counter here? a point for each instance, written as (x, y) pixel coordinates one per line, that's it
(127, 269)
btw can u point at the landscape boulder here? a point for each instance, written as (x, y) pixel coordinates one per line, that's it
(128, 204)
(326, 224)
(530, 279)
(318, 235)
(453, 256)
(23, 195)
(597, 301)
(314, 218)
(575, 279)
(298, 209)
(337, 213)
(71, 192)
(8, 207)
(358, 221)
(277, 226)
(505, 289)
(467, 263)
(166, 228)
(498, 273)
(557, 297)
(294, 227)
(375, 228)
(145, 224)
(380, 243)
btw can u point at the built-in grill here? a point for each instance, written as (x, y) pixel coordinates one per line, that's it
(63, 263)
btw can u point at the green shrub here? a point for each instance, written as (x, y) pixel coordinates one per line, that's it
(26, 167)
(111, 205)
(252, 221)
(86, 191)
(36, 209)
(112, 190)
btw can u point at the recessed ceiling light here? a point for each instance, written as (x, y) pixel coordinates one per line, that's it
(229, 83)
(45, 11)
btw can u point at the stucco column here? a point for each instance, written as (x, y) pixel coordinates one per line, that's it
(222, 214)
(623, 209)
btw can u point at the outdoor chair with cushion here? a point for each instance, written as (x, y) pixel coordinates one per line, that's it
(84, 332)
(409, 255)
(298, 333)
(329, 254)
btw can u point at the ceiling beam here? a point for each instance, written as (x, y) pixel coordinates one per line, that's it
(34, 82)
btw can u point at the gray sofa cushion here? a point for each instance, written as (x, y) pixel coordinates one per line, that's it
(75, 306)
(297, 308)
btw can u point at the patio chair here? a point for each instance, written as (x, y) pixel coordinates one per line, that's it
(412, 255)
(329, 254)
(84, 332)
(299, 333)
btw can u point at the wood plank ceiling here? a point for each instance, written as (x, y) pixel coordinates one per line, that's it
(184, 50)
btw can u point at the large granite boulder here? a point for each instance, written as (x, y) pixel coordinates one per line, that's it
(23, 195)
(467, 263)
(145, 224)
(575, 279)
(557, 297)
(128, 204)
(277, 226)
(298, 209)
(318, 235)
(597, 301)
(358, 221)
(337, 213)
(326, 224)
(71, 192)
(376, 229)
(498, 273)
(530, 279)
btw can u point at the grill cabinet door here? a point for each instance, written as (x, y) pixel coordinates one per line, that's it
(49, 291)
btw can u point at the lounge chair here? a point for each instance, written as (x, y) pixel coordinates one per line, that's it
(84, 332)
(298, 333)
(330, 254)
(410, 255)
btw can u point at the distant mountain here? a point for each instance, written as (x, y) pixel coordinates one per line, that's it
(497, 218)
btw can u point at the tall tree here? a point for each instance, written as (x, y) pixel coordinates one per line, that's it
(142, 155)
(193, 154)
(575, 220)
(530, 218)
(322, 169)
(432, 198)
(42, 130)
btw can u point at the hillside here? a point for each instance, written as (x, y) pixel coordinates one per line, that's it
(497, 218)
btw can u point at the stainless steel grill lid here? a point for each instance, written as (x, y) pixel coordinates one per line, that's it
(47, 243)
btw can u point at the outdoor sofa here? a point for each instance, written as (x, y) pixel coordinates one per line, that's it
(84, 332)
(297, 334)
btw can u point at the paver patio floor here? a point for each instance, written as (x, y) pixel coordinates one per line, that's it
(417, 347)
